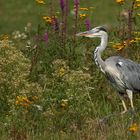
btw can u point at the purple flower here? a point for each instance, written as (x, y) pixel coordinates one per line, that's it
(66, 7)
(76, 7)
(76, 2)
(45, 37)
(55, 24)
(62, 5)
(88, 24)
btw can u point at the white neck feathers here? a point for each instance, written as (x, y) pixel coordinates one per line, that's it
(98, 51)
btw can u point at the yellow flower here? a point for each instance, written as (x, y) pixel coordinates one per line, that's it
(138, 14)
(137, 5)
(133, 128)
(61, 72)
(34, 98)
(23, 101)
(64, 104)
(82, 15)
(119, 46)
(132, 41)
(83, 9)
(136, 33)
(4, 37)
(48, 19)
(120, 2)
(137, 39)
(40, 2)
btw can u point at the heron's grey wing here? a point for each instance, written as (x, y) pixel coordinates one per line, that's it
(130, 73)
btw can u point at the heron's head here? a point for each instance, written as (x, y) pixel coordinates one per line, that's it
(95, 32)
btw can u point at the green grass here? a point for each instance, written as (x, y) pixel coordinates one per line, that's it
(16, 14)
(56, 93)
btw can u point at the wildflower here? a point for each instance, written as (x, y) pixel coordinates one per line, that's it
(48, 19)
(61, 72)
(28, 44)
(55, 24)
(119, 46)
(33, 98)
(137, 39)
(62, 5)
(23, 101)
(27, 28)
(120, 2)
(76, 7)
(83, 9)
(23, 36)
(4, 37)
(19, 35)
(40, 2)
(124, 14)
(136, 33)
(82, 16)
(45, 37)
(88, 24)
(137, 5)
(4, 40)
(76, 2)
(138, 14)
(132, 41)
(64, 103)
(16, 34)
(133, 128)
(40, 108)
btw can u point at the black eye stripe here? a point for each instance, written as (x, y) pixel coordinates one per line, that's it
(102, 29)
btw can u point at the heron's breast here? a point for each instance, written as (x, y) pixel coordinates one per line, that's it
(112, 71)
(113, 75)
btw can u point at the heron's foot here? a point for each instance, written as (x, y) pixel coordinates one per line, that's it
(133, 111)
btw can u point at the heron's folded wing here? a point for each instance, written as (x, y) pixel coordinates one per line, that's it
(130, 73)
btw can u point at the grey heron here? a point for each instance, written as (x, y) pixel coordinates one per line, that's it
(123, 74)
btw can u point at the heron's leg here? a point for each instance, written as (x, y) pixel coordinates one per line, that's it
(123, 103)
(124, 106)
(130, 96)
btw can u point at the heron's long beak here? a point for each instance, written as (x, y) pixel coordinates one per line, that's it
(85, 34)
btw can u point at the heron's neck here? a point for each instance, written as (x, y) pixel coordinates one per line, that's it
(98, 51)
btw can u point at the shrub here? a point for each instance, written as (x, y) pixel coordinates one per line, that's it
(14, 80)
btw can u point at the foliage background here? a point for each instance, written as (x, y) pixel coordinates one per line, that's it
(50, 88)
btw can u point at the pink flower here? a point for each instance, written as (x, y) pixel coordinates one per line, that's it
(45, 37)
(88, 24)
(62, 5)
(55, 24)
(76, 2)
(76, 6)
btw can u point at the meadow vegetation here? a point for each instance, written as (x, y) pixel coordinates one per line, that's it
(50, 87)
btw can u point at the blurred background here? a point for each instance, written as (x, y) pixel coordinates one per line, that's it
(16, 14)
